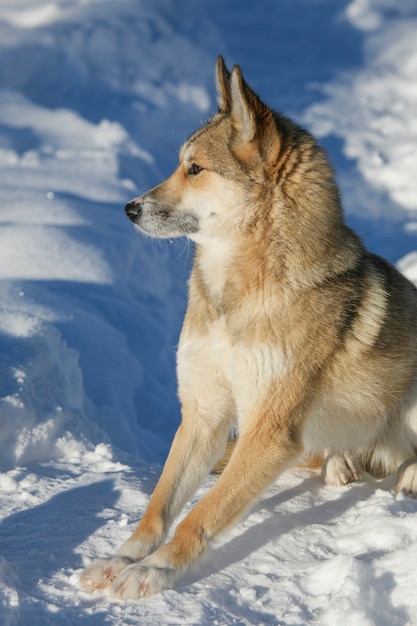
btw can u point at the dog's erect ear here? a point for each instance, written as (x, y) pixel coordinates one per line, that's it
(224, 99)
(243, 102)
(251, 118)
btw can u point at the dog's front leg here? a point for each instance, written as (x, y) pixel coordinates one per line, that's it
(198, 444)
(258, 458)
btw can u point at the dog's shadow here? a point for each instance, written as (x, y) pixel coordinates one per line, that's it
(276, 525)
(279, 523)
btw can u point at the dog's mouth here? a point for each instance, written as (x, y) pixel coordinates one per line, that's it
(161, 222)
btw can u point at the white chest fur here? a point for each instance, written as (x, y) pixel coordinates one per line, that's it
(210, 363)
(252, 371)
(215, 258)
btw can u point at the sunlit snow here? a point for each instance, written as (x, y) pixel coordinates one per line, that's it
(96, 98)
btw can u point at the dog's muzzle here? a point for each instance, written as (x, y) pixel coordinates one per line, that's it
(133, 209)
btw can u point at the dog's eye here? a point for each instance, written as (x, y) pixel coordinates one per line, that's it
(194, 169)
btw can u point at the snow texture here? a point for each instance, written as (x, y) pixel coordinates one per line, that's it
(95, 99)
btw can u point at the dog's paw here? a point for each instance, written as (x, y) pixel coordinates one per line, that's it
(339, 470)
(407, 478)
(140, 580)
(102, 572)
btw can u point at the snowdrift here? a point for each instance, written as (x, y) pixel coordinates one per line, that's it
(95, 99)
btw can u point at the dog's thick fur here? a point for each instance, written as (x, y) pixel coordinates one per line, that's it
(292, 328)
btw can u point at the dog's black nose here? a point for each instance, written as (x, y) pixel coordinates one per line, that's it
(133, 210)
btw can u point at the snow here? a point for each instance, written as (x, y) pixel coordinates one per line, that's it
(95, 99)
(372, 109)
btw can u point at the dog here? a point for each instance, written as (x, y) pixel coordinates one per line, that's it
(292, 328)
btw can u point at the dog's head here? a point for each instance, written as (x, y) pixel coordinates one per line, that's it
(222, 170)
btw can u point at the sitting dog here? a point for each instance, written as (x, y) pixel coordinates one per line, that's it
(293, 329)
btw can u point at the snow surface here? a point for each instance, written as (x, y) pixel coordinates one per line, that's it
(96, 97)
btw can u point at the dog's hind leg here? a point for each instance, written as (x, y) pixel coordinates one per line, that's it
(340, 469)
(407, 478)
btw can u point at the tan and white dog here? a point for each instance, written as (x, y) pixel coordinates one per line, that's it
(292, 328)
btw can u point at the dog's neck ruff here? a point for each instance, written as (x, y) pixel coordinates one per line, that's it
(214, 258)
